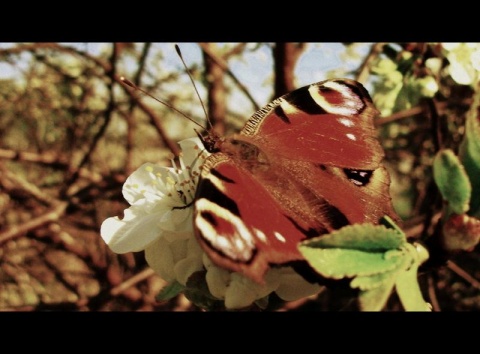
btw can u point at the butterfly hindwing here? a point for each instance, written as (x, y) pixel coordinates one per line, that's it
(241, 225)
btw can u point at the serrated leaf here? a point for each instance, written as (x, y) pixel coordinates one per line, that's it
(376, 280)
(376, 298)
(452, 181)
(409, 292)
(170, 291)
(370, 282)
(364, 237)
(340, 263)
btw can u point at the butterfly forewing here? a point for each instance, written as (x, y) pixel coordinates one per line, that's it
(330, 122)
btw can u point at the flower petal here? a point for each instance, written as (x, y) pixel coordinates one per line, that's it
(144, 183)
(159, 257)
(194, 153)
(293, 286)
(217, 281)
(186, 267)
(133, 233)
(240, 293)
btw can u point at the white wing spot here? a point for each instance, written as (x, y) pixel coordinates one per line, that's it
(279, 237)
(260, 235)
(346, 122)
(351, 137)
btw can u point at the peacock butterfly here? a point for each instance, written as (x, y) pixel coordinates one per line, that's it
(305, 164)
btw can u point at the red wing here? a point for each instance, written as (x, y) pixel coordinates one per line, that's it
(329, 123)
(239, 223)
(306, 164)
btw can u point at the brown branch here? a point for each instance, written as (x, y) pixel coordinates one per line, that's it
(18, 230)
(108, 116)
(49, 159)
(364, 69)
(137, 278)
(155, 121)
(399, 115)
(220, 62)
(52, 159)
(19, 182)
(129, 116)
(214, 75)
(463, 274)
(236, 50)
(432, 295)
(28, 48)
(285, 57)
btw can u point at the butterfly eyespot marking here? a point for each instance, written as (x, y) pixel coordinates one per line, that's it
(358, 177)
(302, 100)
(236, 241)
(337, 97)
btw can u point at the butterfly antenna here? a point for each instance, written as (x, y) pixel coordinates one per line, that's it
(177, 48)
(131, 84)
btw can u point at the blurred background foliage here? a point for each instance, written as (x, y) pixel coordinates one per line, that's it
(71, 133)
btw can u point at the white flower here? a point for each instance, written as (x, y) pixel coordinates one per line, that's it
(238, 291)
(160, 199)
(464, 59)
(159, 221)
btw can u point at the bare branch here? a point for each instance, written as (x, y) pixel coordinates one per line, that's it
(144, 274)
(18, 230)
(220, 62)
(364, 69)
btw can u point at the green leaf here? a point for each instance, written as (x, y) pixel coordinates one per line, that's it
(370, 282)
(469, 153)
(339, 263)
(452, 181)
(365, 237)
(376, 298)
(170, 291)
(388, 222)
(409, 292)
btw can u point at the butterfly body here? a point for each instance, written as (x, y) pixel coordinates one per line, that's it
(304, 165)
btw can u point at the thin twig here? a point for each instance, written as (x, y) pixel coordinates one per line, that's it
(399, 115)
(33, 190)
(18, 230)
(364, 69)
(432, 295)
(463, 274)
(154, 119)
(46, 158)
(137, 278)
(220, 62)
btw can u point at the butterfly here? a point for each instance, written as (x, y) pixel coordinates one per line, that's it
(305, 164)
